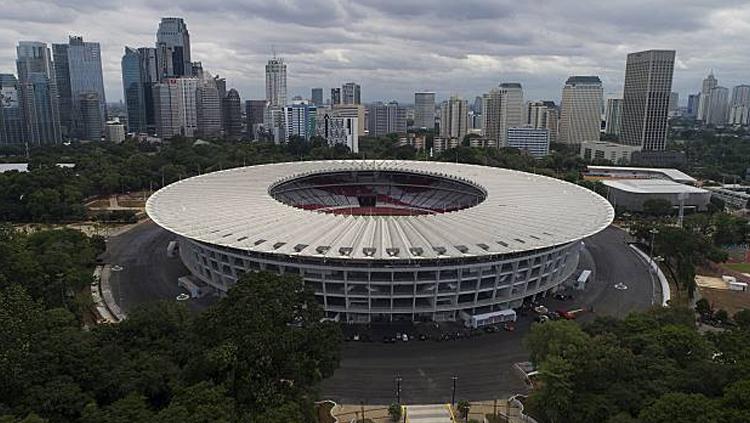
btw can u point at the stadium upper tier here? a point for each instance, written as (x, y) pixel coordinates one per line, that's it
(379, 210)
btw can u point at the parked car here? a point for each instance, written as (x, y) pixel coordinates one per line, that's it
(541, 309)
(509, 327)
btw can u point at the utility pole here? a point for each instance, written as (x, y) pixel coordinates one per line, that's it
(453, 395)
(398, 389)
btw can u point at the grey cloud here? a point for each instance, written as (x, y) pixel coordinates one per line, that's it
(393, 47)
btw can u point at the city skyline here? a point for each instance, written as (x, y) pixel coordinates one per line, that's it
(335, 42)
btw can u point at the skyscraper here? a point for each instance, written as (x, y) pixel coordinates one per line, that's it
(674, 101)
(454, 118)
(502, 108)
(78, 71)
(335, 96)
(11, 119)
(139, 72)
(645, 107)
(709, 83)
(718, 104)
(693, 104)
(424, 110)
(317, 96)
(580, 110)
(350, 93)
(232, 112)
(543, 115)
(173, 48)
(613, 117)
(386, 119)
(739, 108)
(276, 82)
(534, 141)
(39, 97)
(175, 107)
(254, 110)
(208, 107)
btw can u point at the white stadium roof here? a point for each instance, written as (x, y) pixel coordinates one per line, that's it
(672, 174)
(521, 212)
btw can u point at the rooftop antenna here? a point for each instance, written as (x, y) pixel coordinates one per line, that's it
(273, 50)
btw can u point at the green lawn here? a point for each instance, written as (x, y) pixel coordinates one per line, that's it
(740, 267)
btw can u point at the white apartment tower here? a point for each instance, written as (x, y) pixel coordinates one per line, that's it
(276, 82)
(502, 108)
(645, 107)
(739, 108)
(581, 109)
(543, 115)
(709, 83)
(454, 118)
(718, 104)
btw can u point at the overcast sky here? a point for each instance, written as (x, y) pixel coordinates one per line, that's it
(395, 47)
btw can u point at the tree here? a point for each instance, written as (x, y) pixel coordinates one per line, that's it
(703, 307)
(742, 318)
(463, 407)
(559, 338)
(394, 411)
(555, 398)
(681, 408)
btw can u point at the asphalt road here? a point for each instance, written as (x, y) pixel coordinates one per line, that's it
(483, 365)
(147, 274)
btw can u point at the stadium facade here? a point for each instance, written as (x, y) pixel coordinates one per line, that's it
(385, 240)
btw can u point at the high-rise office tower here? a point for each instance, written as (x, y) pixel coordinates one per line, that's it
(709, 83)
(317, 96)
(674, 101)
(173, 48)
(613, 117)
(386, 118)
(232, 112)
(718, 105)
(693, 104)
(78, 70)
(645, 107)
(739, 107)
(254, 110)
(175, 107)
(543, 115)
(139, 72)
(581, 110)
(454, 118)
(476, 107)
(11, 119)
(502, 108)
(350, 93)
(335, 96)
(89, 124)
(276, 82)
(39, 97)
(424, 110)
(208, 107)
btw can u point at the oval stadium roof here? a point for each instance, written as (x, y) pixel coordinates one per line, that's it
(521, 212)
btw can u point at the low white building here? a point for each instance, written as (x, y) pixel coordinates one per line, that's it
(641, 173)
(114, 131)
(605, 150)
(631, 194)
(534, 141)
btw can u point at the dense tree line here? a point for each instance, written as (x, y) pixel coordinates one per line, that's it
(49, 193)
(721, 156)
(654, 367)
(248, 358)
(53, 266)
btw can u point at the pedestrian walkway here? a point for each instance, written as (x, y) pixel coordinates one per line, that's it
(435, 413)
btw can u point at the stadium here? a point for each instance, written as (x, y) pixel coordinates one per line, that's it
(385, 240)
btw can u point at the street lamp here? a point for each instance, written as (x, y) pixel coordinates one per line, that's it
(453, 396)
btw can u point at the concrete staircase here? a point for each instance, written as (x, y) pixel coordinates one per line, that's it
(435, 413)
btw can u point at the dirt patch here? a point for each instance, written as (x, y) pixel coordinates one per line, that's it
(731, 301)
